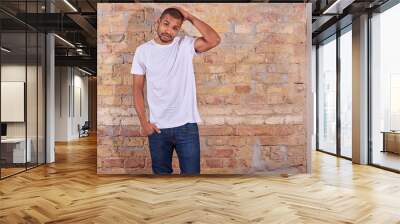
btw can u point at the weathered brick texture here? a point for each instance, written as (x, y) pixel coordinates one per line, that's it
(251, 89)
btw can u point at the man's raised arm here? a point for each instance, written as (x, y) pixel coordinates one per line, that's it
(210, 37)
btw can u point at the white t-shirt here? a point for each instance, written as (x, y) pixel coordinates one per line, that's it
(170, 80)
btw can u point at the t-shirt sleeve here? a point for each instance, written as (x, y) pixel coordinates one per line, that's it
(138, 66)
(190, 41)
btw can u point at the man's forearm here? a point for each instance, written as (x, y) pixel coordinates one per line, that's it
(208, 33)
(139, 107)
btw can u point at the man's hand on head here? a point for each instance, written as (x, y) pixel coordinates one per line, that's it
(209, 38)
(185, 13)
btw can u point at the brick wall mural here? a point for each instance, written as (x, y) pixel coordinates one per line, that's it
(251, 89)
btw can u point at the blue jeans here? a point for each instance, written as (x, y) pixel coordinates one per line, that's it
(185, 140)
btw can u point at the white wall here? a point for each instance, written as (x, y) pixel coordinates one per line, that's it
(62, 81)
(33, 127)
(314, 91)
(50, 94)
(80, 83)
(12, 73)
(67, 115)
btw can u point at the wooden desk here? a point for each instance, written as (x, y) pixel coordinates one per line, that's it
(391, 141)
(16, 147)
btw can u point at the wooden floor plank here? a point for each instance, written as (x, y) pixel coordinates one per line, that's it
(70, 191)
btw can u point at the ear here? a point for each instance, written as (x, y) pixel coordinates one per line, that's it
(155, 25)
(157, 22)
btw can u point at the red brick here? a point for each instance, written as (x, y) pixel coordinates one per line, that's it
(107, 130)
(105, 90)
(279, 153)
(237, 140)
(133, 141)
(254, 109)
(217, 140)
(113, 162)
(230, 163)
(285, 140)
(255, 99)
(131, 130)
(220, 90)
(110, 100)
(120, 69)
(112, 59)
(213, 58)
(235, 100)
(138, 162)
(115, 80)
(269, 130)
(215, 130)
(123, 90)
(104, 48)
(105, 151)
(131, 8)
(214, 100)
(133, 151)
(127, 100)
(224, 152)
(242, 89)
(214, 163)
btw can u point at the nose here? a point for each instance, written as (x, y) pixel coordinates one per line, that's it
(169, 32)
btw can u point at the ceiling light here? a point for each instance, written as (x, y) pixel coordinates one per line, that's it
(5, 49)
(70, 5)
(337, 7)
(65, 41)
(86, 72)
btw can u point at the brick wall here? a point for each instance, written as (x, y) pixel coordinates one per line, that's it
(251, 89)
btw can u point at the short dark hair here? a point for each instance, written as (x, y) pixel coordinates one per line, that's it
(172, 12)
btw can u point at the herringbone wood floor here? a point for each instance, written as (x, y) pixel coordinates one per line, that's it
(70, 191)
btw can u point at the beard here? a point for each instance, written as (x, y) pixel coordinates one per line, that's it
(164, 37)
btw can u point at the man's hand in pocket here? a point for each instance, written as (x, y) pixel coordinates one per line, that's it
(150, 128)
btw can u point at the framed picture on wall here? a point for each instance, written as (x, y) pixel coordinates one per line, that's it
(12, 101)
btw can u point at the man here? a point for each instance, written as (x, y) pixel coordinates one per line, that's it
(167, 63)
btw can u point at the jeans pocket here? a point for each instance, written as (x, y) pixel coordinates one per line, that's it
(192, 128)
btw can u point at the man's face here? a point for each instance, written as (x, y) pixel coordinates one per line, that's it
(168, 28)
